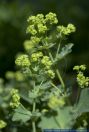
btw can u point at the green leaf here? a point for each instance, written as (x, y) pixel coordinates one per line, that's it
(48, 123)
(66, 116)
(39, 90)
(44, 85)
(24, 94)
(21, 114)
(83, 103)
(65, 51)
(46, 46)
(63, 119)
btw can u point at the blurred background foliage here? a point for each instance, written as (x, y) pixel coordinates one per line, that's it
(13, 15)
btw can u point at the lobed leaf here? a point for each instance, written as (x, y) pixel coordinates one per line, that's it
(21, 114)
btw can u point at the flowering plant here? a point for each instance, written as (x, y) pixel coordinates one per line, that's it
(38, 101)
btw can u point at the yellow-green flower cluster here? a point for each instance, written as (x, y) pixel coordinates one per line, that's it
(19, 76)
(51, 18)
(54, 101)
(38, 23)
(42, 28)
(81, 79)
(2, 124)
(29, 44)
(14, 75)
(15, 98)
(66, 30)
(35, 56)
(80, 68)
(36, 19)
(23, 61)
(50, 73)
(31, 29)
(46, 62)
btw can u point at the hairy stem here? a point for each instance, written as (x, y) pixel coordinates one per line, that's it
(33, 122)
(58, 73)
(60, 79)
(56, 87)
(34, 126)
(50, 55)
(59, 46)
(58, 50)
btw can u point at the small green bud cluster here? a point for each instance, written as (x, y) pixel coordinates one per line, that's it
(51, 18)
(2, 124)
(38, 23)
(31, 29)
(44, 61)
(66, 30)
(14, 75)
(35, 56)
(50, 73)
(19, 76)
(80, 68)
(47, 64)
(29, 44)
(15, 98)
(39, 18)
(23, 61)
(81, 79)
(42, 28)
(54, 101)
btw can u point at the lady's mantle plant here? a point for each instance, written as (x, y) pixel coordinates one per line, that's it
(43, 102)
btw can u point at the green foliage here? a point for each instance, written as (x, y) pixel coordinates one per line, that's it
(82, 106)
(64, 51)
(21, 114)
(15, 98)
(38, 101)
(63, 119)
(66, 116)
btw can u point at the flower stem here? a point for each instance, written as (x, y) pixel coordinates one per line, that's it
(58, 50)
(60, 78)
(56, 87)
(33, 122)
(33, 126)
(58, 73)
(50, 55)
(59, 46)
